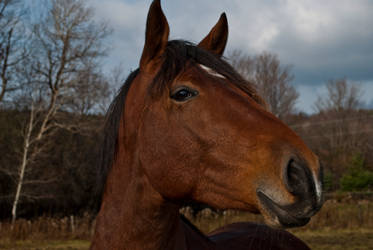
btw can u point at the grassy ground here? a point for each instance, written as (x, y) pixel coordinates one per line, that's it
(45, 245)
(338, 240)
(317, 240)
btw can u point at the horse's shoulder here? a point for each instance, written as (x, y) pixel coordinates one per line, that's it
(246, 236)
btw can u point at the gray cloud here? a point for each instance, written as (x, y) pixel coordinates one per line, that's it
(321, 39)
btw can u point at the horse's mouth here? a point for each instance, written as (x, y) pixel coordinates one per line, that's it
(278, 214)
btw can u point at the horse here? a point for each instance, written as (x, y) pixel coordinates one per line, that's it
(186, 127)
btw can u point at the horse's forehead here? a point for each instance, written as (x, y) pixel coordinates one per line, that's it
(203, 76)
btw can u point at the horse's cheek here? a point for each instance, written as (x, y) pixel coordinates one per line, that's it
(170, 170)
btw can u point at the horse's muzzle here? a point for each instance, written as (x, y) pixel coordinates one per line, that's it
(306, 189)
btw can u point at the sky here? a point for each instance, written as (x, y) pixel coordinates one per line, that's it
(320, 40)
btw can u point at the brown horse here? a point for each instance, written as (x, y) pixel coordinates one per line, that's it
(186, 127)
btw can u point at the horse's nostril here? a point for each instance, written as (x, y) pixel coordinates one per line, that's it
(298, 178)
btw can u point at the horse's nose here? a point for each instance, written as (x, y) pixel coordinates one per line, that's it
(304, 185)
(303, 182)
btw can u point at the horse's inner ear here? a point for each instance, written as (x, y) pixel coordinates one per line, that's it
(216, 40)
(156, 37)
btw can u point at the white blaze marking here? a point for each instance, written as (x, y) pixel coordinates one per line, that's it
(211, 71)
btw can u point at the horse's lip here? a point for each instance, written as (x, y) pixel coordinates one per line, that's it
(277, 212)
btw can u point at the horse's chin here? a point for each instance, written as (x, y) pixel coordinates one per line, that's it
(276, 216)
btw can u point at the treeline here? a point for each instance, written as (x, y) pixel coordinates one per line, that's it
(343, 140)
(61, 180)
(53, 94)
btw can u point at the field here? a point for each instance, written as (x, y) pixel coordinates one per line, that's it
(318, 240)
(340, 224)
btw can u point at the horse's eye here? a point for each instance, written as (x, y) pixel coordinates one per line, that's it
(183, 93)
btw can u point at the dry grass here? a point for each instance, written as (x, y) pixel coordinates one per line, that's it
(360, 239)
(48, 228)
(45, 244)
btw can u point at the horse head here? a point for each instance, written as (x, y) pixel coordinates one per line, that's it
(201, 132)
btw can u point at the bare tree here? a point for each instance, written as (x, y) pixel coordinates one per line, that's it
(12, 41)
(67, 48)
(271, 79)
(341, 96)
(341, 129)
(243, 64)
(90, 93)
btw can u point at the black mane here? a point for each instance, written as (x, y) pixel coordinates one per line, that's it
(176, 56)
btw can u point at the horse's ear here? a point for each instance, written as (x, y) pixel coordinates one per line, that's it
(216, 40)
(156, 37)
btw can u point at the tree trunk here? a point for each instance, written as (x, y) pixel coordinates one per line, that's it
(23, 165)
(22, 168)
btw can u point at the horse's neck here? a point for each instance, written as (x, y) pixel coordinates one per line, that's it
(134, 216)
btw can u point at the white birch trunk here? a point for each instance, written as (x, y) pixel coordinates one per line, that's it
(23, 165)
(28, 140)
